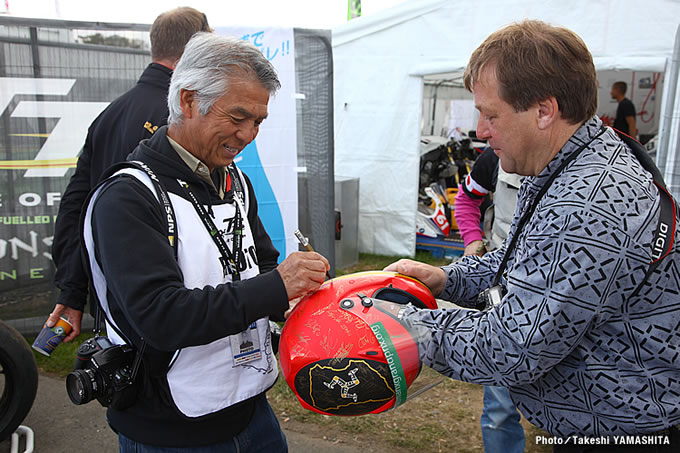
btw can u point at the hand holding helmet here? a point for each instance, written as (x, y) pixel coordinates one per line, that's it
(434, 277)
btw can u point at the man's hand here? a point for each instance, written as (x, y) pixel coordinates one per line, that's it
(474, 248)
(632, 127)
(302, 272)
(75, 317)
(433, 277)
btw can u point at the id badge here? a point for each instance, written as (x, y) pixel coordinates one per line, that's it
(245, 346)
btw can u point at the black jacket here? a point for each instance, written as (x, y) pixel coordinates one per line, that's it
(148, 299)
(484, 172)
(110, 138)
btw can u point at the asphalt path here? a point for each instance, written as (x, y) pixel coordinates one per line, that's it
(61, 427)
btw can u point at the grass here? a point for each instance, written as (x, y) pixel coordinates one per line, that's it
(442, 419)
(370, 262)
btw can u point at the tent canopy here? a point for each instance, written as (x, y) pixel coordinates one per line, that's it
(380, 61)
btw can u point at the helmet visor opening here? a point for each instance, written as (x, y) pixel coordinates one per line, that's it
(398, 296)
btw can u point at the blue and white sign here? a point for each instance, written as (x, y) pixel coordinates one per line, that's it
(271, 159)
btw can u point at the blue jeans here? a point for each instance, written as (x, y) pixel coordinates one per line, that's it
(501, 429)
(262, 435)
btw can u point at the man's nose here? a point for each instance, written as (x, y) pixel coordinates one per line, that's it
(483, 129)
(247, 132)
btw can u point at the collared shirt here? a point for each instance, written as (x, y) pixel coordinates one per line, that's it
(578, 354)
(200, 169)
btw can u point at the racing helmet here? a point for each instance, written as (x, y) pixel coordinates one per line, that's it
(343, 349)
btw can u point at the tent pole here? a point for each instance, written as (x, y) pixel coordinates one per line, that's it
(667, 148)
(434, 108)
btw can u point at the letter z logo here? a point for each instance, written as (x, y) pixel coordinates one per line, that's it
(60, 150)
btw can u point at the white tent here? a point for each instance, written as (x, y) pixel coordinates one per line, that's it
(380, 61)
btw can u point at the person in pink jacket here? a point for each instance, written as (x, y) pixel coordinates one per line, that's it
(500, 420)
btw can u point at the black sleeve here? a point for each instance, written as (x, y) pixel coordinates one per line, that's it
(70, 276)
(484, 172)
(145, 282)
(267, 254)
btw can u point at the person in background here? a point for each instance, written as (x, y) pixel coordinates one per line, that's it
(501, 427)
(625, 112)
(130, 118)
(476, 186)
(583, 325)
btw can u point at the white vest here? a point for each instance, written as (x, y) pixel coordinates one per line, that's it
(203, 379)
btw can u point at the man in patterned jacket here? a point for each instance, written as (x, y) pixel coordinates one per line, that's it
(586, 354)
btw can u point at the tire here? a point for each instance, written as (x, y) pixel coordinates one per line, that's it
(18, 379)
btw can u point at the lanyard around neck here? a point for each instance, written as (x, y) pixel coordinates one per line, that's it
(230, 260)
(527, 215)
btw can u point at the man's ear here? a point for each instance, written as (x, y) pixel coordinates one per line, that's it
(188, 103)
(547, 113)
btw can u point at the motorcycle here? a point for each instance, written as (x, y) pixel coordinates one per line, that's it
(443, 164)
(433, 217)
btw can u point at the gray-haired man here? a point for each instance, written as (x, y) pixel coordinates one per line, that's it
(201, 315)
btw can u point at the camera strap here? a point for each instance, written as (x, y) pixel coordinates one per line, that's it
(171, 223)
(664, 235)
(164, 198)
(98, 321)
(137, 362)
(236, 182)
(230, 260)
(529, 212)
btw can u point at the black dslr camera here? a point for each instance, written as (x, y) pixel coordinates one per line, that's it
(103, 371)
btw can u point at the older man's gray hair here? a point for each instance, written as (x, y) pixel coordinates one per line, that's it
(208, 63)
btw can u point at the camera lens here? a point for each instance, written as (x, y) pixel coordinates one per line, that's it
(82, 386)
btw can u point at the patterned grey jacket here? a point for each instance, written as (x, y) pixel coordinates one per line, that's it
(578, 355)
